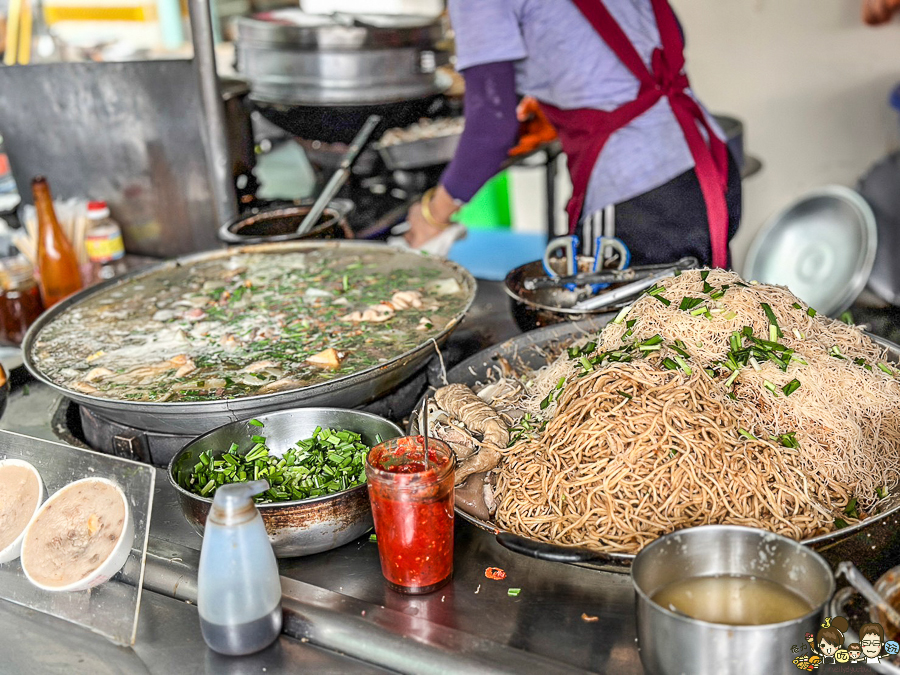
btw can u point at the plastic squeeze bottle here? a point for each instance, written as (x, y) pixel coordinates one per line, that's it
(239, 590)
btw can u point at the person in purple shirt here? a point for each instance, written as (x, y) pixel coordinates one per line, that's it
(609, 75)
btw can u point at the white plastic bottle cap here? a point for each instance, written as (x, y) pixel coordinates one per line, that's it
(97, 210)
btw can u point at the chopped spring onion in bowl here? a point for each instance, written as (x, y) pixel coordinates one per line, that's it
(329, 461)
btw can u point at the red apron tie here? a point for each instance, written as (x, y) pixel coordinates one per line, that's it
(584, 131)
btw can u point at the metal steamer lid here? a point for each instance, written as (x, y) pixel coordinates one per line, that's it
(359, 33)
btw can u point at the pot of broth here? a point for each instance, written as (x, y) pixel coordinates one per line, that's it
(727, 599)
(193, 343)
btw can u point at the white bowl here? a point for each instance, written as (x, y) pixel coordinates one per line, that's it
(105, 570)
(12, 551)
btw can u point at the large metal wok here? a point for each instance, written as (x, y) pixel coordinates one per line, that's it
(347, 391)
(528, 350)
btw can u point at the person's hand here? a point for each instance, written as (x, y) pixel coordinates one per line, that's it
(422, 227)
(879, 11)
(534, 127)
(420, 230)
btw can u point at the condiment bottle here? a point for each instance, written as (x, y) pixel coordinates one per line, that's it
(20, 299)
(58, 271)
(238, 586)
(103, 242)
(412, 505)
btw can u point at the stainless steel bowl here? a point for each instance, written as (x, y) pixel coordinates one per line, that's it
(822, 247)
(674, 643)
(304, 526)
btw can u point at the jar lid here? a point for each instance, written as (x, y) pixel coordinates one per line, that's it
(14, 271)
(97, 210)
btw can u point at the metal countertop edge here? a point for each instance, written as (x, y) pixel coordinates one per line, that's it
(370, 633)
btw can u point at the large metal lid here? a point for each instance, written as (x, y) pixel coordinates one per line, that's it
(822, 247)
(298, 30)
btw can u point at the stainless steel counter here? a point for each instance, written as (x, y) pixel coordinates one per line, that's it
(337, 601)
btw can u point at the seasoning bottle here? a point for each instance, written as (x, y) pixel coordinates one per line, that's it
(103, 242)
(58, 271)
(238, 586)
(20, 299)
(412, 505)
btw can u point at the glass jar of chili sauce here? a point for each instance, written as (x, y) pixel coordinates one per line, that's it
(412, 505)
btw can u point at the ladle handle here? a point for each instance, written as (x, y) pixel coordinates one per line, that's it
(550, 552)
(339, 176)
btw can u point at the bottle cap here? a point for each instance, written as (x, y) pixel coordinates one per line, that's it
(233, 503)
(97, 210)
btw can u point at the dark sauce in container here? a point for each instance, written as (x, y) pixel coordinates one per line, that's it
(20, 300)
(412, 505)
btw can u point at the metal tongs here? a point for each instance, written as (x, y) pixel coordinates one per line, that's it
(607, 276)
(861, 584)
(612, 297)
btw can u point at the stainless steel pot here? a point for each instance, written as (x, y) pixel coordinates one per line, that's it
(352, 62)
(347, 391)
(673, 644)
(272, 225)
(301, 527)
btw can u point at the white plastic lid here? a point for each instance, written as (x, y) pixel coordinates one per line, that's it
(97, 210)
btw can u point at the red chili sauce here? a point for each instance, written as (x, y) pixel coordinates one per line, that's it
(412, 505)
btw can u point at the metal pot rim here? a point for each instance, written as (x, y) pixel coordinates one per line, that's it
(337, 210)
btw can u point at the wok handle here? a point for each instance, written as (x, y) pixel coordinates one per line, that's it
(549, 552)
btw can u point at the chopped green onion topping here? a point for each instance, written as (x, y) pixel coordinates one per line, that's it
(770, 315)
(620, 317)
(689, 303)
(791, 387)
(513, 592)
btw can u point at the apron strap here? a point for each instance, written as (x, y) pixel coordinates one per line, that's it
(588, 130)
(608, 29)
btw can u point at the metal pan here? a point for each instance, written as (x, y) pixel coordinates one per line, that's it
(853, 542)
(300, 527)
(347, 391)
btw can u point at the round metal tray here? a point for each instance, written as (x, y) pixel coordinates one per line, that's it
(347, 391)
(529, 349)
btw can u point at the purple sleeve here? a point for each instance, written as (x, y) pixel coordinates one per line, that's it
(491, 128)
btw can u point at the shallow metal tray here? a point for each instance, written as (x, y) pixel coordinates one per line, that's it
(529, 349)
(421, 153)
(195, 418)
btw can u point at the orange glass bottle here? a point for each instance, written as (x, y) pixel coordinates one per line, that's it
(58, 271)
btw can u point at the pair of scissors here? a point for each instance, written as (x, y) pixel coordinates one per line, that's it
(610, 252)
